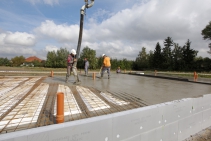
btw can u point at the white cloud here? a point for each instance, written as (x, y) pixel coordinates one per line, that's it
(153, 20)
(11, 51)
(49, 2)
(147, 23)
(17, 43)
(17, 38)
(51, 48)
(123, 34)
(60, 33)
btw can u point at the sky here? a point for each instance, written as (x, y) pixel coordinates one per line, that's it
(117, 28)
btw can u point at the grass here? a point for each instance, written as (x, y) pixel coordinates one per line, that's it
(182, 74)
(42, 69)
(31, 69)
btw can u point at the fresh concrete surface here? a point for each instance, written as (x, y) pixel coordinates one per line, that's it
(172, 118)
(150, 90)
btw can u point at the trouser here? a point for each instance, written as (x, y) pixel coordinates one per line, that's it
(74, 70)
(86, 70)
(105, 69)
(69, 68)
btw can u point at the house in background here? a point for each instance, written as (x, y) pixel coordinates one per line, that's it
(29, 61)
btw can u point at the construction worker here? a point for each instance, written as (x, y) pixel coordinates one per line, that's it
(106, 65)
(118, 70)
(86, 66)
(71, 67)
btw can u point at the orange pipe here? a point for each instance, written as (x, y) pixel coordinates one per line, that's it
(93, 76)
(60, 108)
(194, 76)
(51, 73)
(155, 72)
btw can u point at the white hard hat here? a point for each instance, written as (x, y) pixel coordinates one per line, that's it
(73, 51)
(103, 55)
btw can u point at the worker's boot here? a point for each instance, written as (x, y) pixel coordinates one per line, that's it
(101, 76)
(67, 76)
(77, 81)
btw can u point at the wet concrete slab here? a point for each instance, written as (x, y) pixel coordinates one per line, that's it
(29, 102)
(148, 89)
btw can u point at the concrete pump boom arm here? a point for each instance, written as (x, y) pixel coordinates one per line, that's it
(87, 5)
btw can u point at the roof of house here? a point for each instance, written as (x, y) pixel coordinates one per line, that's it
(33, 58)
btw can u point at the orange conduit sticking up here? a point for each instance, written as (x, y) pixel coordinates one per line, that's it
(155, 72)
(60, 108)
(93, 76)
(51, 73)
(194, 76)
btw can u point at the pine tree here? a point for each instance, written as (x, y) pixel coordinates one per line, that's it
(157, 57)
(206, 33)
(142, 59)
(167, 54)
(188, 55)
(177, 57)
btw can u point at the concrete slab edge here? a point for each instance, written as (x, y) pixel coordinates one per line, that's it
(175, 121)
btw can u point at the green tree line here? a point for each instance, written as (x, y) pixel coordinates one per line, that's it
(58, 59)
(172, 57)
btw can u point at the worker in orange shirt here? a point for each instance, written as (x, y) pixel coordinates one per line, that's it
(106, 65)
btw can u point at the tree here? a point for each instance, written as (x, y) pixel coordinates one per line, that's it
(188, 55)
(115, 63)
(123, 64)
(198, 64)
(157, 58)
(210, 48)
(90, 54)
(151, 59)
(177, 53)
(36, 63)
(51, 59)
(100, 62)
(206, 64)
(61, 57)
(206, 33)
(167, 54)
(57, 59)
(5, 62)
(127, 64)
(18, 60)
(142, 59)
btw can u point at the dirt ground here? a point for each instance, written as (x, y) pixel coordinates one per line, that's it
(204, 135)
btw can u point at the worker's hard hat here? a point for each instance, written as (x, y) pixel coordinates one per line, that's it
(73, 51)
(103, 55)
